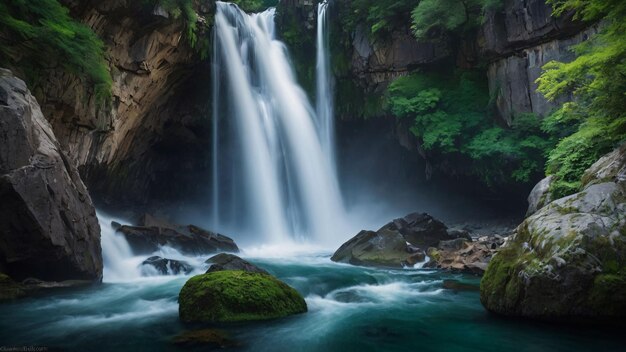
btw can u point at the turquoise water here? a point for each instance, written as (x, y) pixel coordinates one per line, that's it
(350, 309)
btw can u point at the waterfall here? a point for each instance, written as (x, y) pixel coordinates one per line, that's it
(272, 177)
(324, 85)
(119, 262)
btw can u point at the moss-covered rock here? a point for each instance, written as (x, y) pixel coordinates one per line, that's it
(568, 260)
(9, 289)
(233, 296)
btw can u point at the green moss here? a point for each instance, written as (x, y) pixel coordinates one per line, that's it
(34, 30)
(500, 286)
(608, 294)
(231, 296)
(9, 289)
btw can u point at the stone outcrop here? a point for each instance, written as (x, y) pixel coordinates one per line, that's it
(235, 296)
(152, 233)
(164, 266)
(369, 248)
(399, 243)
(512, 78)
(151, 140)
(379, 62)
(226, 261)
(48, 225)
(539, 196)
(567, 261)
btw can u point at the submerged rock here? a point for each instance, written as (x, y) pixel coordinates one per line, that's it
(48, 225)
(226, 261)
(10, 289)
(204, 338)
(568, 260)
(232, 296)
(166, 266)
(153, 233)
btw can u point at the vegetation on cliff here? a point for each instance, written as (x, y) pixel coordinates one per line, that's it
(452, 119)
(595, 121)
(33, 30)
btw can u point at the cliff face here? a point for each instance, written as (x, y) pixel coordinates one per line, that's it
(518, 41)
(142, 139)
(514, 42)
(48, 225)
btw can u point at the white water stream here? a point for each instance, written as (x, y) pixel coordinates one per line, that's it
(274, 177)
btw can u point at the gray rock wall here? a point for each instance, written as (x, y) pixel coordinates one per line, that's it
(48, 225)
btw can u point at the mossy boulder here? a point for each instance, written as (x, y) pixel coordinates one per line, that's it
(235, 296)
(568, 260)
(9, 289)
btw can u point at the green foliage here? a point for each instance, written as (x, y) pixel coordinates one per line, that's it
(379, 16)
(431, 18)
(596, 119)
(33, 30)
(450, 115)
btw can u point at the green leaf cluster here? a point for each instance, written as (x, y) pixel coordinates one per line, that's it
(595, 121)
(451, 118)
(33, 30)
(432, 18)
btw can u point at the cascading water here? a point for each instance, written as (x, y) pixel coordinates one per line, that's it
(272, 176)
(324, 91)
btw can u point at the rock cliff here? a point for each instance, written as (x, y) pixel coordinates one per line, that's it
(48, 225)
(155, 129)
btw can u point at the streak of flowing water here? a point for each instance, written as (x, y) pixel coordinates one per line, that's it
(272, 176)
(324, 91)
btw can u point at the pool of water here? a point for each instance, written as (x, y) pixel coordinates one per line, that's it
(350, 309)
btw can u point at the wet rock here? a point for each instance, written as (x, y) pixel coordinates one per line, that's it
(458, 286)
(539, 196)
(369, 248)
(233, 296)
(396, 244)
(415, 258)
(461, 255)
(459, 233)
(154, 233)
(418, 229)
(567, 261)
(48, 225)
(9, 289)
(204, 338)
(225, 261)
(166, 266)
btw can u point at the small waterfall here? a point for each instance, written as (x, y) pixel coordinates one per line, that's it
(119, 262)
(324, 85)
(272, 177)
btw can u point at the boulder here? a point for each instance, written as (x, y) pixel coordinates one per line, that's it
(419, 229)
(396, 244)
(153, 233)
(10, 289)
(539, 196)
(568, 260)
(226, 261)
(234, 296)
(369, 248)
(166, 266)
(48, 225)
